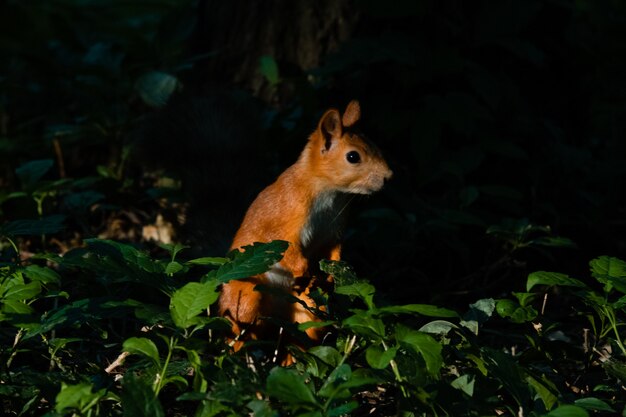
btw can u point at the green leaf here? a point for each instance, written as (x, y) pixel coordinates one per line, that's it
(593, 404)
(43, 226)
(77, 397)
(142, 346)
(553, 242)
(422, 309)
(478, 313)
(567, 411)
(609, 271)
(365, 325)
(22, 292)
(440, 327)
(510, 309)
(608, 266)
(269, 69)
(552, 278)
(208, 261)
(328, 354)
(545, 389)
(288, 385)
(191, 300)
(82, 201)
(503, 368)
(42, 274)
(173, 248)
(155, 88)
(378, 358)
(465, 383)
(341, 271)
(362, 290)
(211, 408)
(16, 307)
(343, 409)
(332, 387)
(138, 399)
(173, 267)
(31, 172)
(259, 408)
(254, 260)
(423, 344)
(525, 298)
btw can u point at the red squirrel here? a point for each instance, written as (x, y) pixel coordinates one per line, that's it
(305, 206)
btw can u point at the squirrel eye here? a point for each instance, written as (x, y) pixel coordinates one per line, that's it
(353, 157)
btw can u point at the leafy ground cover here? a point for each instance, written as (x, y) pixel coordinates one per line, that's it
(108, 329)
(496, 281)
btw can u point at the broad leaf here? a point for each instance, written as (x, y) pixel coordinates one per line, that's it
(465, 383)
(31, 172)
(191, 300)
(138, 399)
(43, 226)
(362, 290)
(155, 87)
(288, 385)
(425, 345)
(421, 309)
(610, 271)
(379, 358)
(365, 325)
(254, 260)
(478, 313)
(142, 346)
(552, 278)
(593, 404)
(567, 411)
(22, 292)
(79, 397)
(42, 274)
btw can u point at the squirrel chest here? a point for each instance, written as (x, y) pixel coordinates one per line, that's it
(324, 225)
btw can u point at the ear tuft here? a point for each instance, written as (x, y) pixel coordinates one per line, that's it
(352, 114)
(330, 127)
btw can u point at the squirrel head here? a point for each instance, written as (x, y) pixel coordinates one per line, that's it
(341, 158)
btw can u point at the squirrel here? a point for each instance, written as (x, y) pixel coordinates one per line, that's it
(305, 206)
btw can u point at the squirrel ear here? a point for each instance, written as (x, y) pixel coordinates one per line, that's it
(352, 114)
(330, 127)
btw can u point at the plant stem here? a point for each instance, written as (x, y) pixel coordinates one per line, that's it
(396, 372)
(160, 381)
(611, 316)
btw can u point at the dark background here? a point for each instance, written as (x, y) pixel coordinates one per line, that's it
(502, 120)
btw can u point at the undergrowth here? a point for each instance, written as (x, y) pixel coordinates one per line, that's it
(108, 329)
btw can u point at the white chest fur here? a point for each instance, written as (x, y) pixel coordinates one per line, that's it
(325, 221)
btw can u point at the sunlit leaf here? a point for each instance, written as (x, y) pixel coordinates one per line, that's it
(552, 278)
(254, 260)
(191, 300)
(142, 346)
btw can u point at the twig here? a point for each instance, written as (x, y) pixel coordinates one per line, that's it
(117, 362)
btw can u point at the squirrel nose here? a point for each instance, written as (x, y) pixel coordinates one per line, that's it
(388, 175)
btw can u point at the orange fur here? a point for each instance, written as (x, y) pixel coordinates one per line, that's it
(304, 206)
